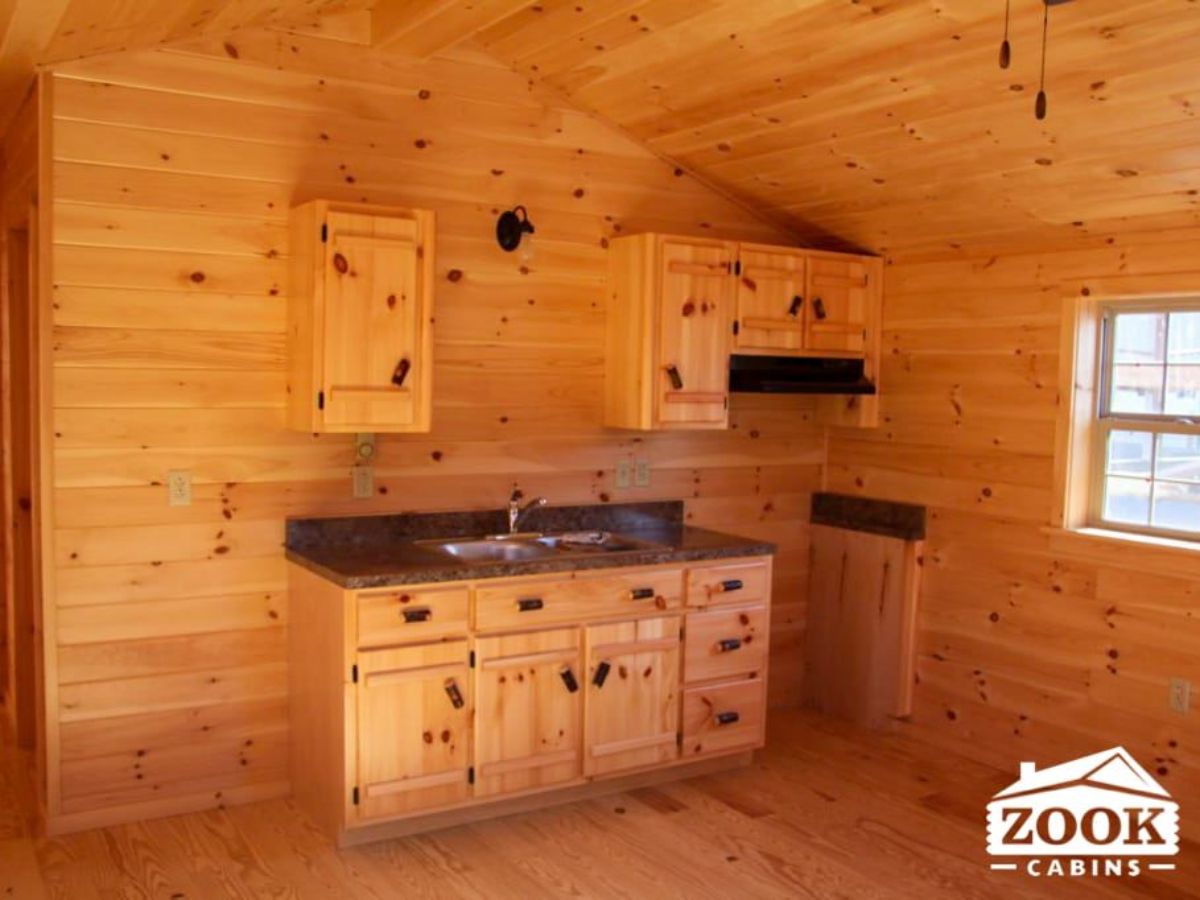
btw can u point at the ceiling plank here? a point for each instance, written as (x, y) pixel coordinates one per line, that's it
(421, 28)
(28, 26)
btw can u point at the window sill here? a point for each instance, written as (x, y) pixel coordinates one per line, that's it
(1127, 550)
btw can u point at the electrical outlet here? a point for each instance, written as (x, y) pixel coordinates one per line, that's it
(179, 488)
(364, 482)
(641, 473)
(624, 474)
(1180, 696)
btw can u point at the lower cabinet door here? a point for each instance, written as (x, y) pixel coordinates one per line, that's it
(529, 707)
(632, 706)
(413, 728)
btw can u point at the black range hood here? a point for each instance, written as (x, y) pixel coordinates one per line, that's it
(797, 375)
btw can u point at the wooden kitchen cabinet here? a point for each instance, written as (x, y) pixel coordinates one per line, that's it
(413, 731)
(360, 317)
(669, 333)
(679, 307)
(633, 694)
(529, 710)
(423, 705)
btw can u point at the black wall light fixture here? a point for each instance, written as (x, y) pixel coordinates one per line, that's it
(1040, 106)
(511, 227)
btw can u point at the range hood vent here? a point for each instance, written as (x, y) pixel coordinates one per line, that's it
(797, 375)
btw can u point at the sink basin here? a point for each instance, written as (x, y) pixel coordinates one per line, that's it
(533, 546)
(493, 550)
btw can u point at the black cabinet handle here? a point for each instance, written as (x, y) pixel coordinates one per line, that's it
(401, 372)
(819, 307)
(797, 304)
(733, 584)
(728, 645)
(455, 695)
(528, 604)
(641, 593)
(601, 675)
(568, 678)
(421, 614)
(676, 378)
(726, 718)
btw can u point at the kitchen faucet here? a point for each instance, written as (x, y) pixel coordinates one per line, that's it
(516, 512)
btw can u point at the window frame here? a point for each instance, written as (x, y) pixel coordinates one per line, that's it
(1103, 421)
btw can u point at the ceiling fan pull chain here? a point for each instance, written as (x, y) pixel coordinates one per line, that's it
(1039, 107)
(1005, 47)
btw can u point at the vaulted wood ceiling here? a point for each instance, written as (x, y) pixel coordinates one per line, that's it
(884, 124)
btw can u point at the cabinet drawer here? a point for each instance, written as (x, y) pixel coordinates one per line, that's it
(542, 601)
(740, 582)
(725, 716)
(723, 643)
(401, 617)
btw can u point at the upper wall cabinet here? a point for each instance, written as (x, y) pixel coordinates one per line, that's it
(669, 332)
(680, 306)
(360, 316)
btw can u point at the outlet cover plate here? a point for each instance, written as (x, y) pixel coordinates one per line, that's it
(1180, 696)
(624, 474)
(364, 482)
(641, 473)
(179, 488)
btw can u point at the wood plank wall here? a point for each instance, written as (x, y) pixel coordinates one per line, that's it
(173, 174)
(1033, 644)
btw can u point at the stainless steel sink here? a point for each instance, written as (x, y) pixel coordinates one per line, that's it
(494, 550)
(533, 546)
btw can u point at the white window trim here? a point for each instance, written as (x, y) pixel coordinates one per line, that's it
(1080, 448)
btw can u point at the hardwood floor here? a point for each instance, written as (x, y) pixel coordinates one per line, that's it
(825, 811)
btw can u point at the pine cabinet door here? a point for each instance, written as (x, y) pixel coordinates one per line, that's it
(839, 298)
(375, 323)
(529, 707)
(771, 303)
(413, 729)
(632, 704)
(695, 318)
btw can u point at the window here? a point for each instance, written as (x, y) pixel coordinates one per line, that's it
(1145, 437)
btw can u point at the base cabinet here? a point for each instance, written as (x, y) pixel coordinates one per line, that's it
(413, 703)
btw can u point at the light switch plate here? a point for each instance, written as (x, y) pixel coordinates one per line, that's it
(624, 474)
(179, 488)
(641, 473)
(364, 482)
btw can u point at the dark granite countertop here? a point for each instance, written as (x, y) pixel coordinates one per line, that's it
(381, 551)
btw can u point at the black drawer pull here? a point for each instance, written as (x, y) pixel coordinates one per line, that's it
(726, 718)
(733, 584)
(676, 378)
(568, 678)
(528, 604)
(422, 614)
(455, 695)
(819, 307)
(401, 372)
(601, 675)
(728, 645)
(641, 593)
(797, 304)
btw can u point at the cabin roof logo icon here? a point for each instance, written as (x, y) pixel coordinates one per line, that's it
(1104, 804)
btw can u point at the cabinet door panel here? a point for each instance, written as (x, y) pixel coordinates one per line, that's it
(632, 706)
(771, 302)
(373, 322)
(529, 703)
(695, 317)
(414, 728)
(838, 298)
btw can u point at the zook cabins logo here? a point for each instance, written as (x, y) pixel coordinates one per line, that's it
(1100, 815)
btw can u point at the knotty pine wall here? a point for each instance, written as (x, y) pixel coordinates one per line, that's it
(173, 174)
(1034, 644)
